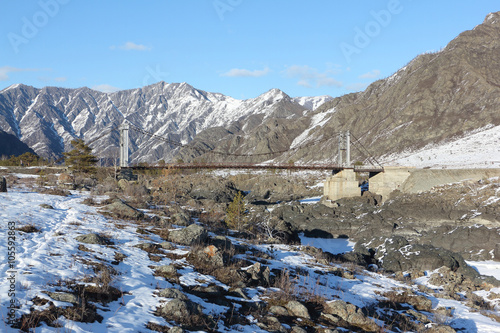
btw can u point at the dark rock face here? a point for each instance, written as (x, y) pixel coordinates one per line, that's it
(474, 243)
(395, 254)
(3, 184)
(11, 145)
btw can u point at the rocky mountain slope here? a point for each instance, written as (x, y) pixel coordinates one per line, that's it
(11, 145)
(48, 119)
(434, 100)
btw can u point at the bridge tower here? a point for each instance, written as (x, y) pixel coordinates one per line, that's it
(124, 128)
(344, 146)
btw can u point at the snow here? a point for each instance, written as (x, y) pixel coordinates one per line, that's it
(479, 149)
(332, 245)
(318, 120)
(50, 256)
(490, 268)
(313, 102)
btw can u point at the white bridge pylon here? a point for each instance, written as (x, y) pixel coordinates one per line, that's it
(344, 145)
(124, 128)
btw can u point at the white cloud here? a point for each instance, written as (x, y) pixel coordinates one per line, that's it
(4, 71)
(60, 79)
(311, 77)
(131, 46)
(105, 88)
(370, 75)
(237, 72)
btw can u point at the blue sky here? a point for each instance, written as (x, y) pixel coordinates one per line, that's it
(240, 48)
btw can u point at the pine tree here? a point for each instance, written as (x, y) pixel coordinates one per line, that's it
(236, 211)
(80, 159)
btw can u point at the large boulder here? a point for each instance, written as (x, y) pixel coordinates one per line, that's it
(297, 309)
(93, 239)
(120, 209)
(193, 234)
(179, 310)
(209, 256)
(396, 254)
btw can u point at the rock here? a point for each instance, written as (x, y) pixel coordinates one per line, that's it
(172, 293)
(179, 310)
(278, 310)
(298, 329)
(119, 209)
(259, 274)
(148, 247)
(46, 206)
(65, 178)
(221, 242)
(351, 314)
(439, 329)
(272, 324)
(63, 297)
(212, 189)
(176, 329)
(396, 254)
(193, 234)
(123, 184)
(297, 309)
(209, 256)
(181, 219)
(3, 184)
(93, 239)
(496, 252)
(167, 246)
(166, 271)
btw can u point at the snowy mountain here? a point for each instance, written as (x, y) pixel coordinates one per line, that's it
(312, 102)
(48, 119)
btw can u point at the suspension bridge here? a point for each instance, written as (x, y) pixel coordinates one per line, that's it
(343, 182)
(343, 156)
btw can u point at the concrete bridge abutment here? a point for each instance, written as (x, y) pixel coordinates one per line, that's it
(342, 185)
(346, 185)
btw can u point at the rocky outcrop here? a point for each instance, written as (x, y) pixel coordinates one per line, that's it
(349, 313)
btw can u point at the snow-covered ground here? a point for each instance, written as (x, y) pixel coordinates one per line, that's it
(479, 149)
(46, 258)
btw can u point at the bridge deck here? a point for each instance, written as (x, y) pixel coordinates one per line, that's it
(332, 167)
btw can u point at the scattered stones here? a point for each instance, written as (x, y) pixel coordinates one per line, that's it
(193, 234)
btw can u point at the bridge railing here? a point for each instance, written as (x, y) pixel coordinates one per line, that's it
(185, 166)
